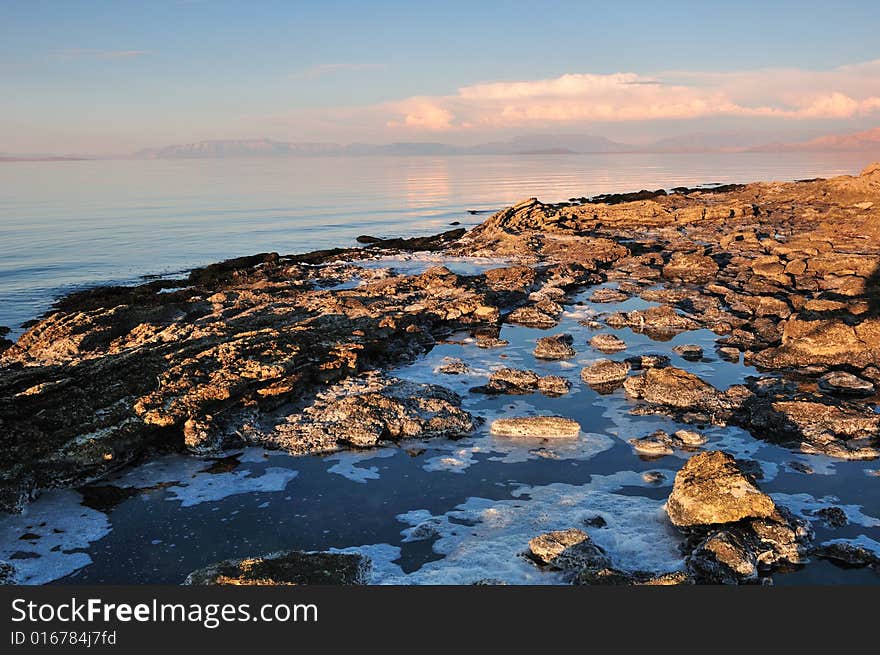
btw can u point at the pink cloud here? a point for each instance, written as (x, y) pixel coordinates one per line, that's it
(840, 93)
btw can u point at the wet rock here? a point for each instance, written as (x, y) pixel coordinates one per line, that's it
(689, 352)
(290, 567)
(607, 343)
(7, 573)
(567, 550)
(365, 411)
(657, 444)
(688, 438)
(536, 427)
(833, 517)
(453, 366)
(712, 489)
(849, 554)
(555, 347)
(510, 380)
(605, 375)
(519, 381)
(554, 385)
(648, 360)
(841, 430)
(675, 388)
(608, 295)
(728, 354)
(543, 315)
(661, 323)
(653, 477)
(736, 533)
(845, 384)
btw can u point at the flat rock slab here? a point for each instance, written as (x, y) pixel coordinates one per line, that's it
(608, 343)
(538, 427)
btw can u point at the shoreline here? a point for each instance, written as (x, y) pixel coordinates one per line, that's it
(288, 352)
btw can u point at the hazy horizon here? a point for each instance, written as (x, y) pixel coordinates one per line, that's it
(144, 75)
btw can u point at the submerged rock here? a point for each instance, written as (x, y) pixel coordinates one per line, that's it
(289, 567)
(536, 427)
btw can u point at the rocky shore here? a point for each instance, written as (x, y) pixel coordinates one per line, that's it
(294, 352)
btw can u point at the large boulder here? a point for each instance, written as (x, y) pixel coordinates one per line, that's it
(712, 489)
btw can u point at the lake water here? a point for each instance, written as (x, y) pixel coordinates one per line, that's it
(438, 511)
(66, 225)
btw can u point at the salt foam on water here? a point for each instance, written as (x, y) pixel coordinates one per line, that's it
(56, 524)
(483, 538)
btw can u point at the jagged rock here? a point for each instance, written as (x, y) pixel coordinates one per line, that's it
(363, 412)
(845, 384)
(839, 430)
(833, 517)
(555, 347)
(848, 553)
(453, 366)
(536, 427)
(289, 567)
(689, 352)
(712, 489)
(675, 388)
(607, 343)
(543, 315)
(605, 375)
(567, 550)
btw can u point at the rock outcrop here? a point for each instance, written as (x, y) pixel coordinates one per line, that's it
(290, 567)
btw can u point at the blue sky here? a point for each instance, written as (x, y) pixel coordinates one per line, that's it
(115, 75)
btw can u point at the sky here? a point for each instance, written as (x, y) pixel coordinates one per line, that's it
(112, 76)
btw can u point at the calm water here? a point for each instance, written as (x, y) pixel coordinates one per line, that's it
(64, 225)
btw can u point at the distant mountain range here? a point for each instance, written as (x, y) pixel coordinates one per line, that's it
(867, 141)
(536, 144)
